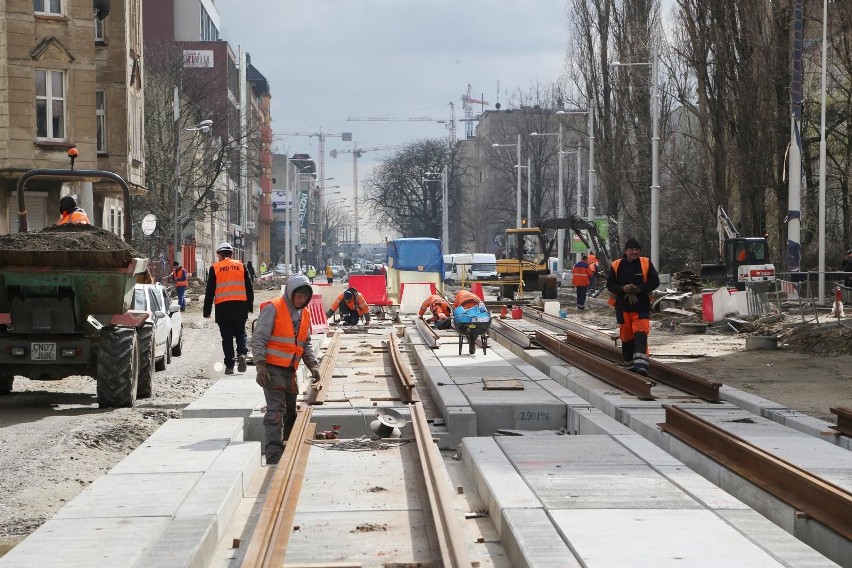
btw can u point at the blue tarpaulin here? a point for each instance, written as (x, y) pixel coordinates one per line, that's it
(422, 255)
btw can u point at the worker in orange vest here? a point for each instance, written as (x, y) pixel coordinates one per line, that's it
(229, 288)
(352, 306)
(70, 212)
(595, 266)
(440, 309)
(631, 279)
(580, 277)
(180, 279)
(466, 299)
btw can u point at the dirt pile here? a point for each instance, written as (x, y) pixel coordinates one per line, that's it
(67, 237)
(826, 341)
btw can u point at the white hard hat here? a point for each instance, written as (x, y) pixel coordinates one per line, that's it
(225, 247)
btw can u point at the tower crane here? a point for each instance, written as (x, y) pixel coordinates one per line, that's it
(450, 123)
(356, 153)
(467, 105)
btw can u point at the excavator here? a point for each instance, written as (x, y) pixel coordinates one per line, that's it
(741, 259)
(529, 248)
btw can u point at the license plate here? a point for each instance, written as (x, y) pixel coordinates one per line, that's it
(43, 352)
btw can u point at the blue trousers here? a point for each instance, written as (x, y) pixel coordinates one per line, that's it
(181, 292)
(233, 331)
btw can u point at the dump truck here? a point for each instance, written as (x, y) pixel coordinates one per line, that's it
(741, 259)
(528, 250)
(65, 299)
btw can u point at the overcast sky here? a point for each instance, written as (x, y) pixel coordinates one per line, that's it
(327, 60)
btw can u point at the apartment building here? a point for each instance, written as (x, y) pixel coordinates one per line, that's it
(69, 78)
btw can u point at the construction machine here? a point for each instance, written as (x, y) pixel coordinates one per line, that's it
(528, 250)
(741, 259)
(66, 295)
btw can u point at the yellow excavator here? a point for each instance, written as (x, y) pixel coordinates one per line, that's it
(528, 249)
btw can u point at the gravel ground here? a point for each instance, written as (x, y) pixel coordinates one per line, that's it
(56, 441)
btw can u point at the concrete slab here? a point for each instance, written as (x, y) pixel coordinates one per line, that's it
(243, 457)
(229, 396)
(645, 539)
(646, 451)
(188, 430)
(186, 542)
(698, 488)
(217, 494)
(748, 401)
(134, 495)
(86, 543)
(190, 457)
(530, 539)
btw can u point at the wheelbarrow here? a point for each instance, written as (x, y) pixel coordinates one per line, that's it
(472, 323)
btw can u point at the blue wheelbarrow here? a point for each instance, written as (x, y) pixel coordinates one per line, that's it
(472, 323)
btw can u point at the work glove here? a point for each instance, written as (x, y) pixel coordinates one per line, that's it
(632, 299)
(315, 377)
(329, 313)
(262, 374)
(367, 319)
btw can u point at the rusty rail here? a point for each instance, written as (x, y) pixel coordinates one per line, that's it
(601, 368)
(448, 530)
(844, 419)
(317, 392)
(512, 333)
(429, 335)
(268, 544)
(816, 497)
(408, 394)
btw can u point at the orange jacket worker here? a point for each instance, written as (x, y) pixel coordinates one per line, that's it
(352, 306)
(70, 212)
(466, 299)
(439, 308)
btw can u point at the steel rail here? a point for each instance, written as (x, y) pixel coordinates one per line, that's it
(448, 530)
(601, 368)
(429, 335)
(817, 498)
(268, 544)
(682, 380)
(566, 325)
(409, 394)
(844, 419)
(512, 333)
(317, 391)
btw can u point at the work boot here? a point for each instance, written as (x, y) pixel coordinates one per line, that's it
(273, 460)
(241, 363)
(627, 354)
(229, 370)
(640, 355)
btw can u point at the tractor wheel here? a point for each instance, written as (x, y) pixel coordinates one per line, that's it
(145, 338)
(118, 367)
(6, 383)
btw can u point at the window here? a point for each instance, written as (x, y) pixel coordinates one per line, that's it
(47, 6)
(50, 104)
(100, 35)
(100, 117)
(208, 29)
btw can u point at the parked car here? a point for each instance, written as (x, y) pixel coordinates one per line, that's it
(165, 319)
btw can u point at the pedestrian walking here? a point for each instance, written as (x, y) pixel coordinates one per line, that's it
(280, 340)
(250, 269)
(329, 274)
(229, 288)
(580, 278)
(312, 273)
(631, 280)
(180, 279)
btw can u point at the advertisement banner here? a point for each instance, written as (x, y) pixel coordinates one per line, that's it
(602, 225)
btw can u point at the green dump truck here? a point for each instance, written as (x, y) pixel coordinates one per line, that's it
(65, 298)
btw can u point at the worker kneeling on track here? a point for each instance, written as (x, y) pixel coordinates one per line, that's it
(281, 338)
(352, 306)
(440, 309)
(631, 280)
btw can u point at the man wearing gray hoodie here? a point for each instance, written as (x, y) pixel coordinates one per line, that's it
(282, 338)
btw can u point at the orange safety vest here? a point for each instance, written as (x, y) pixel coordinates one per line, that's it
(593, 262)
(362, 306)
(230, 281)
(645, 262)
(436, 304)
(580, 275)
(466, 299)
(285, 346)
(180, 281)
(75, 217)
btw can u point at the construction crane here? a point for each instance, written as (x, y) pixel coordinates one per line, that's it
(467, 105)
(450, 123)
(356, 153)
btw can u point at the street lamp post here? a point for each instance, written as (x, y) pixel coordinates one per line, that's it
(204, 126)
(590, 215)
(655, 150)
(445, 208)
(519, 166)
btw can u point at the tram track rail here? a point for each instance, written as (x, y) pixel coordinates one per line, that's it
(844, 419)
(811, 495)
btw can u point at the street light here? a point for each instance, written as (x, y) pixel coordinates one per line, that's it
(203, 126)
(655, 150)
(518, 197)
(445, 215)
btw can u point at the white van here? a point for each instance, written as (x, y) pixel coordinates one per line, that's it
(483, 266)
(457, 267)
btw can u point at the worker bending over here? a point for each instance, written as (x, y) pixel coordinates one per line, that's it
(352, 306)
(70, 212)
(281, 338)
(440, 309)
(631, 280)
